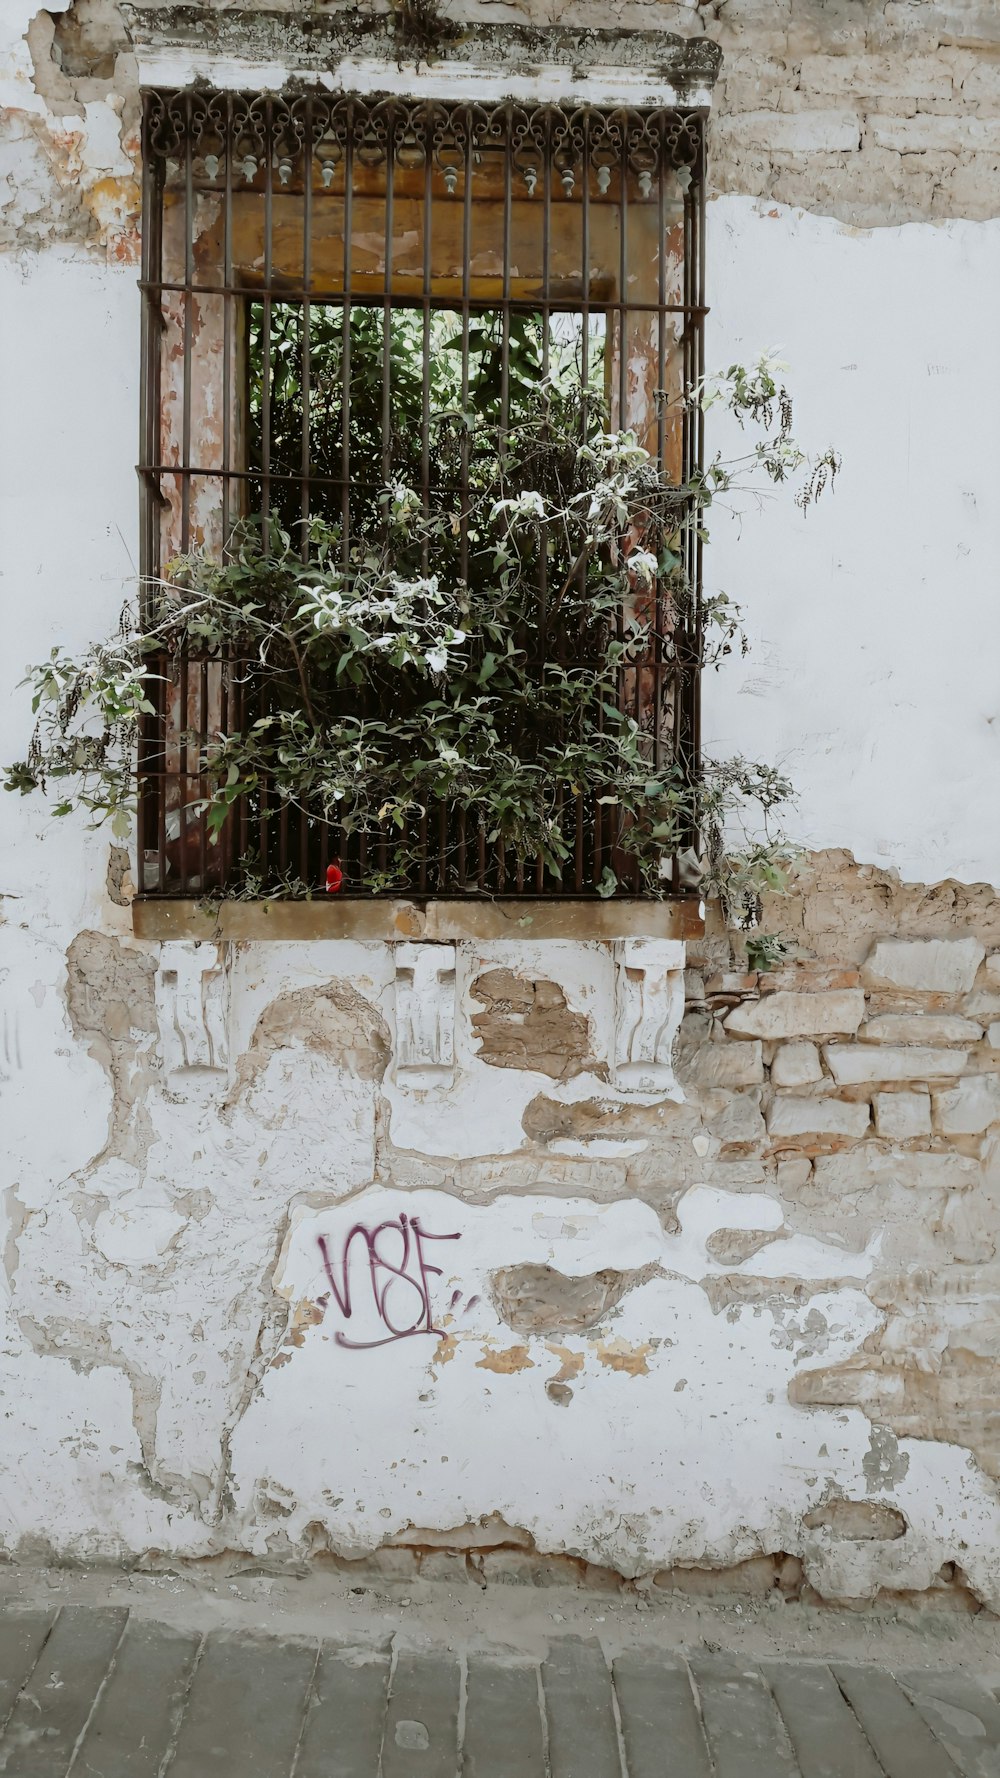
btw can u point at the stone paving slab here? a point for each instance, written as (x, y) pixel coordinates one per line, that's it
(963, 1716)
(94, 1693)
(742, 1723)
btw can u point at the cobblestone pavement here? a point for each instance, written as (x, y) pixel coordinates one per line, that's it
(103, 1693)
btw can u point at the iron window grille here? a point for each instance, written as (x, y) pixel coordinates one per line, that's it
(271, 219)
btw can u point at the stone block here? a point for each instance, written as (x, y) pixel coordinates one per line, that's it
(739, 1125)
(993, 969)
(390, 1563)
(801, 132)
(918, 77)
(861, 1521)
(539, 1300)
(726, 982)
(808, 978)
(524, 1568)
(983, 1005)
(966, 1229)
(794, 1175)
(529, 1024)
(835, 1014)
(993, 1035)
(451, 1566)
(729, 1065)
(796, 1065)
(924, 965)
(899, 1117)
(969, 1108)
(920, 1027)
(754, 1578)
(868, 1168)
(799, 1117)
(857, 1064)
(982, 85)
(935, 133)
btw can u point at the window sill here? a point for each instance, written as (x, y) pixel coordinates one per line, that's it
(681, 917)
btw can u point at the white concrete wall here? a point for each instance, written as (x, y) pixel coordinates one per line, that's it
(874, 620)
(173, 1372)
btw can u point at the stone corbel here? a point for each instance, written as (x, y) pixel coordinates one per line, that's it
(425, 1015)
(191, 995)
(649, 1006)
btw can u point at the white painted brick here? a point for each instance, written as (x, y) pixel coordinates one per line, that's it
(969, 1108)
(921, 1027)
(857, 1064)
(796, 1065)
(925, 965)
(899, 1117)
(796, 132)
(799, 1015)
(795, 1115)
(923, 133)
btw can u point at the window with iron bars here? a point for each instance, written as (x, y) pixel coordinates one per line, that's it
(317, 270)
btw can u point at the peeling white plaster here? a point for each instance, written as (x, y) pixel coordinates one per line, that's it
(147, 1367)
(409, 1403)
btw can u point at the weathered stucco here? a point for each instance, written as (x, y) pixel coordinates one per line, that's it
(307, 1306)
(875, 113)
(446, 1255)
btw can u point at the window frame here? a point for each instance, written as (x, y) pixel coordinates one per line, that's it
(182, 127)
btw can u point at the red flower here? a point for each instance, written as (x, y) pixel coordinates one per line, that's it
(334, 878)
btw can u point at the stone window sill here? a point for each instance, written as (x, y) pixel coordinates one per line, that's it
(681, 917)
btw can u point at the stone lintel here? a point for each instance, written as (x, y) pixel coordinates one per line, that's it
(444, 922)
(265, 45)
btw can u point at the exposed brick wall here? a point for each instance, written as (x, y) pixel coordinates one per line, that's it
(882, 121)
(876, 114)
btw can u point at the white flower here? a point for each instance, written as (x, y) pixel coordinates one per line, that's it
(642, 565)
(527, 505)
(437, 658)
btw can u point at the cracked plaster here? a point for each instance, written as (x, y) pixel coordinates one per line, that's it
(169, 1378)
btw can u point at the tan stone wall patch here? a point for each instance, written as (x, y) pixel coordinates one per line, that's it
(528, 1024)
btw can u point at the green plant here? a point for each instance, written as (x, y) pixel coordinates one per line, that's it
(766, 950)
(416, 664)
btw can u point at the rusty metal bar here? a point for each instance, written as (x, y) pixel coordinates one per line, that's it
(228, 300)
(307, 236)
(345, 347)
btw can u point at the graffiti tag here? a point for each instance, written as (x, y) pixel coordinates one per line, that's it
(395, 1279)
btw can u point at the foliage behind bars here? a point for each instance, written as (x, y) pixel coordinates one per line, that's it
(395, 683)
